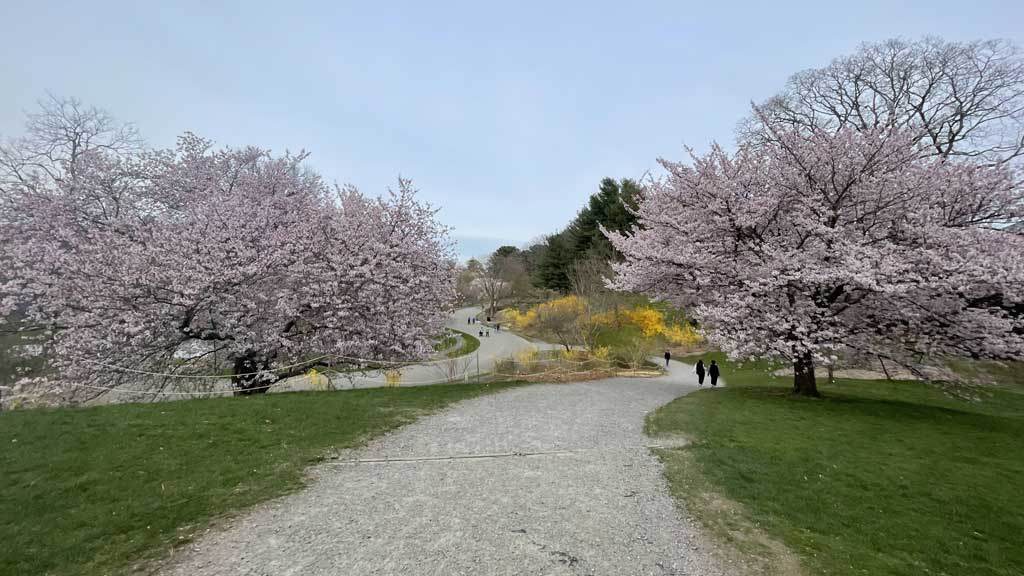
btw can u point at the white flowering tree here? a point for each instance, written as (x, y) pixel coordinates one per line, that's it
(816, 239)
(141, 252)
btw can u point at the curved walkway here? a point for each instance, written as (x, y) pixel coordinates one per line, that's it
(545, 479)
(498, 345)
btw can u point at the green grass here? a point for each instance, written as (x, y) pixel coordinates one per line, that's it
(469, 344)
(12, 365)
(448, 340)
(1005, 375)
(874, 478)
(618, 337)
(95, 490)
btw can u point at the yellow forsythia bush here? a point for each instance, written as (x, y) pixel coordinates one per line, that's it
(648, 320)
(568, 309)
(526, 355)
(682, 335)
(519, 320)
(651, 323)
(318, 381)
(393, 378)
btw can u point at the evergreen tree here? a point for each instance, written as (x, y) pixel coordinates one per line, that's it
(553, 270)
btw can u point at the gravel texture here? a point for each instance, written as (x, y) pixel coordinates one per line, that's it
(561, 481)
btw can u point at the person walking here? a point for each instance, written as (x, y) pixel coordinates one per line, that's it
(668, 356)
(699, 369)
(713, 372)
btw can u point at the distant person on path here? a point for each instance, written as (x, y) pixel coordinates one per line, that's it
(481, 332)
(498, 326)
(469, 320)
(699, 369)
(668, 356)
(488, 333)
(713, 372)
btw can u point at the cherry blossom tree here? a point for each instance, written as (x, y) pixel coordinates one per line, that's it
(253, 253)
(815, 239)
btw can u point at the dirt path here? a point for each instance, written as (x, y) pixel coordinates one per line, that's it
(546, 479)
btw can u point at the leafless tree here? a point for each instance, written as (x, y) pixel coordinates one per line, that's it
(57, 137)
(589, 281)
(503, 277)
(965, 99)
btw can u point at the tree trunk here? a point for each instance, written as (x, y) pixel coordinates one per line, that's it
(803, 376)
(245, 382)
(884, 369)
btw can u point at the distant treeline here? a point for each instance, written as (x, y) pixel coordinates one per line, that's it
(558, 261)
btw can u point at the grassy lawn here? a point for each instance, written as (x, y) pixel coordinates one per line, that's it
(875, 478)
(12, 365)
(469, 344)
(95, 490)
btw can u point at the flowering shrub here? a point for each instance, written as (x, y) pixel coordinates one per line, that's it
(683, 335)
(318, 381)
(526, 355)
(650, 321)
(393, 378)
(570, 320)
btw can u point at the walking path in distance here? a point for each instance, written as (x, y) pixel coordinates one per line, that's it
(500, 344)
(548, 479)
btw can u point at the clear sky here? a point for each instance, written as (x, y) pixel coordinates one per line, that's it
(506, 115)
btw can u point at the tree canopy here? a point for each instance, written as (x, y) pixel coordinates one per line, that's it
(955, 98)
(818, 239)
(132, 254)
(583, 239)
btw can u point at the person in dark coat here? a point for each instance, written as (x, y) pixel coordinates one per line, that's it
(713, 372)
(668, 356)
(699, 369)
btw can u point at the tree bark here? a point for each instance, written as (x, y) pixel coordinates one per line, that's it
(245, 382)
(803, 376)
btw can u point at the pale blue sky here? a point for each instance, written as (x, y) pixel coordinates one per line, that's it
(506, 115)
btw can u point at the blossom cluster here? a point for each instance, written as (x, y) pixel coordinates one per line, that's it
(817, 240)
(251, 252)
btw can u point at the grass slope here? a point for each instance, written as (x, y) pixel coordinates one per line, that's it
(90, 491)
(875, 478)
(469, 344)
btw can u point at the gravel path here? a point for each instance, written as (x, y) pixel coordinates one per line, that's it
(585, 496)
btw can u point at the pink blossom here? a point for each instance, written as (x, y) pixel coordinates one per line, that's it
(251, 252)
(812, 242)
